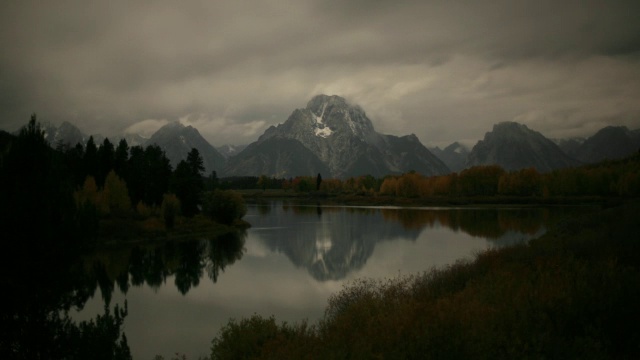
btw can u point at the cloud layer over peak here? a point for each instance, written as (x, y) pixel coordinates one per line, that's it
(443, 70)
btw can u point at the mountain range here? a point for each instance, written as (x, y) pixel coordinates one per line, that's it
(336, 139)
(514, 146)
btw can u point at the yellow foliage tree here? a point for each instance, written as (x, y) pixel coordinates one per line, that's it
(389, 186)
(116, 195)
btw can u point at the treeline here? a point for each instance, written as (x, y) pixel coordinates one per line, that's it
(42, 230)
(609, 178)
(80, 185)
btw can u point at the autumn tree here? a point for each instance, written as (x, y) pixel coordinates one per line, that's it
(409, 185)
(120, 157)
(525, 182)
(106, 154)
(116, 195)
(480, 180)
(389, 186)
(90, 158)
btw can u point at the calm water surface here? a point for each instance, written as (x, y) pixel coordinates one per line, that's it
(287, 264)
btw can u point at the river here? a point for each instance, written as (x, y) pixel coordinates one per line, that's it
(287, 265)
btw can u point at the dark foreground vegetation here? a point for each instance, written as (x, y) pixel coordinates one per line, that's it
(84, 194)
(55, 204)
(573, 293)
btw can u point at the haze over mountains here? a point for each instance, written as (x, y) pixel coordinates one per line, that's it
(336, 139)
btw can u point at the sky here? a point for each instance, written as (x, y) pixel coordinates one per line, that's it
(443, 70)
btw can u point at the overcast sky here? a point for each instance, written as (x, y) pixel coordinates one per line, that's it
(443, 70)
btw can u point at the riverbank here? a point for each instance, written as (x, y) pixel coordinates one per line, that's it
(121, 231)
(367, 199)
(571, 293)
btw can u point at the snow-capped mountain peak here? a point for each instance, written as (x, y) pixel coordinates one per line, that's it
(340, 137)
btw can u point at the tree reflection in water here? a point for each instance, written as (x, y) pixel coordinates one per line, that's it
(186, 260)
(37, 324)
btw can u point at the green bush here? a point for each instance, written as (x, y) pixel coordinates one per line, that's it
(223, 206)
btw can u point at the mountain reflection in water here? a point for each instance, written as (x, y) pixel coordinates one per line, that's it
(331, 242)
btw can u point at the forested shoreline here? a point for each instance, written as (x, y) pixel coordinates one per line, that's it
(59, 204)
(82, 191)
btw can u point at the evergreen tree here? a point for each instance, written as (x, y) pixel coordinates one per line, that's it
(90, 159)
(196, 164)
(36, 205)
(120, 157)
(213, 182)
(158, 174)
(147, 173)
(187, 182)
(134, 175)
(106, 155)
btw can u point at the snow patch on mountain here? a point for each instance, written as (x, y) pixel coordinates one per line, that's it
(320, 128)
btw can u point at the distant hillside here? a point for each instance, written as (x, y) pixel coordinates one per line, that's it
(230, 150)
(611, 142)
(514, 146)
(276, 157)
(177, 140)
(454, 156)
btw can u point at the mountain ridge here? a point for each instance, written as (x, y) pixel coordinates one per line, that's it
(344, 139)
(514, 146)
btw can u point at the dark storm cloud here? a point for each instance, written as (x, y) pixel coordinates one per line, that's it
(445, 70)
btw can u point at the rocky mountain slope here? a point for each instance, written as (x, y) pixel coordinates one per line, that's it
(343, 138)
(514, 146)
(66, 134)
(230, 150)
(611, 142)
(454, 156)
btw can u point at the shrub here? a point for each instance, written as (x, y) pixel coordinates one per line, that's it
(223, 206)
(143, 210)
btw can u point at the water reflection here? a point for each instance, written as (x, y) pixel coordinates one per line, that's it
(331, 242)
(292, 260)
(185, 261)
(39, 290)
(43, 289)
